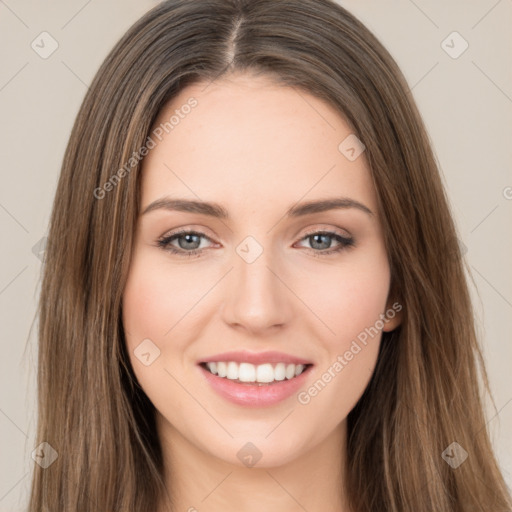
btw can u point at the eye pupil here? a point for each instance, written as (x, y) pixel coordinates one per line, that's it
(325, 244)
(189, 240)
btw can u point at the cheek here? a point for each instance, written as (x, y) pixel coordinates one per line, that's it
(156, 299)
(150, 302)
(153, 303)
(163, 303)
(346, 299)
(349, 305)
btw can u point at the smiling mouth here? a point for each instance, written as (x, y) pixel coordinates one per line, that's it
(255, 375)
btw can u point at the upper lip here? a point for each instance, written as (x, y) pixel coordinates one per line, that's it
(256, 358)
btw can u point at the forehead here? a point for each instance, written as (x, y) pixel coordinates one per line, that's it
(249, 137)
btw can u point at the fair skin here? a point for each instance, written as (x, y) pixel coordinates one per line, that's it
(256, 148)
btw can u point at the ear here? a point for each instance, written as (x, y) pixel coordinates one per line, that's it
(394, 315)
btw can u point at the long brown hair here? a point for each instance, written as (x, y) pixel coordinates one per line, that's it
(424, 394)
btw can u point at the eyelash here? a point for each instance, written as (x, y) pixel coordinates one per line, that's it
(164, 243)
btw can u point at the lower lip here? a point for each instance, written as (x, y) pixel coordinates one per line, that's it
(252, 395)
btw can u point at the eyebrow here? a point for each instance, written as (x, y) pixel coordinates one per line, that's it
(218, 211)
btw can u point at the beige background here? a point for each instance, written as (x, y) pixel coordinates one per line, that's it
(466, 103)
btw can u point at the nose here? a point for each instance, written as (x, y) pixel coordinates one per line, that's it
(257, 299)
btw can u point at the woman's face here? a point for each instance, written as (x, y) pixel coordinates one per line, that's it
(261, 272)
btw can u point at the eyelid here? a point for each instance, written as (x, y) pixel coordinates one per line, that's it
(327, 229)
(317, 229)
(201, 231)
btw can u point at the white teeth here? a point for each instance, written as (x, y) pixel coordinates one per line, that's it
(221, 369)
(265, 373)
(279, 371)
(232, 371)
(262, 373)
(246, 372)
